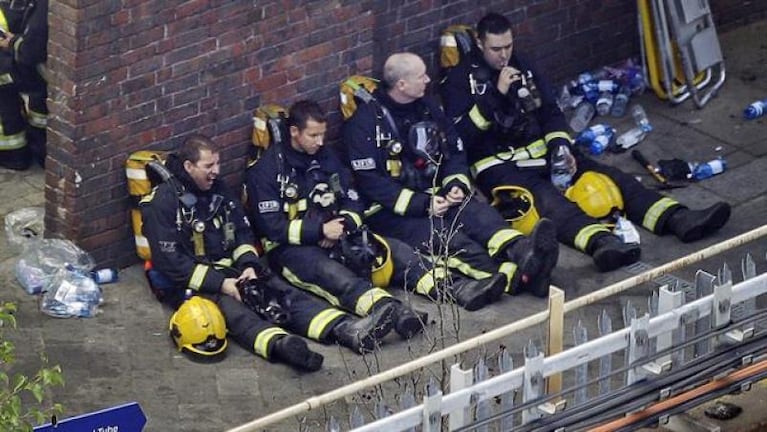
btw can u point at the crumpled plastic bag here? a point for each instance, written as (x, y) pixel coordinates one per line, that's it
(40, 262)
(24, 227)
(71, 293)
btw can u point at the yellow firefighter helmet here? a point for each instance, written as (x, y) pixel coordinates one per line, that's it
(516, 205)
(596, 194)
(198, 327)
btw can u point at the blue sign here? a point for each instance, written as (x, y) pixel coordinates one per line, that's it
(121, 418)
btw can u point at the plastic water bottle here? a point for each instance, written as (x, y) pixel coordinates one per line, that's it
(631, 137)
(604, 103)
(708, 169)
(640, 118)
(607, 86)
(562, 168)
(621, 102)
(756, 109)
(582, 116)
(104, 276)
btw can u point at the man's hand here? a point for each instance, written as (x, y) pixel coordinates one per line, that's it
(229, 287)
(247, 274)
(333, 229)
(455, 196)
(506, 77)
(5, 40)
(327, 244)
(438, 206)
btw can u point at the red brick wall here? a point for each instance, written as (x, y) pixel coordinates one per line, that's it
(135, 74)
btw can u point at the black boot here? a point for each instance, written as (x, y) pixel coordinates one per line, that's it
(609, 252)
(407, 322)
(690, 225)
(475, 294)
(535, 257)
(292, 350)
(360, 335)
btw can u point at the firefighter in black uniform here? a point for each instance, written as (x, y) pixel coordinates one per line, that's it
(202, 243)
(23, 53)
(301, 201)
(409, 164)
(505, 111)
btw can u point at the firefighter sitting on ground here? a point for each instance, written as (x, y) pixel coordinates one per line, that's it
(301, 201)
(400, 145)
(23, 53)
(201, 243)
(505, 111)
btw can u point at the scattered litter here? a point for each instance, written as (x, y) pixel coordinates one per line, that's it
(718, 148)
(723, 411)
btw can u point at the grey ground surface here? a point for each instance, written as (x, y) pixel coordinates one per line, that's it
(124, 354)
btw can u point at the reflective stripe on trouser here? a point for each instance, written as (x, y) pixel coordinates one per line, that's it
(508, 269)
(263, 340)
(321, 323)
(310, 268)
(587, 233)
(12, 123)
(656, 211)
(533, 150)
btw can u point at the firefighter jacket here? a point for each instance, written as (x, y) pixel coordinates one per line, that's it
(30, 29)
(507, 126)
(11, 20)
(291, 194)
(195, 241)
(399, 152)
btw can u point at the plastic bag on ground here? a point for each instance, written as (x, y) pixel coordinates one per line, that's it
(41, 261)
(71, 293)
(24, 227)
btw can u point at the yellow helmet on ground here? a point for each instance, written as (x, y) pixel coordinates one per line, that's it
(517, 206)
(198, 327)
(383, 266)
(596, 194)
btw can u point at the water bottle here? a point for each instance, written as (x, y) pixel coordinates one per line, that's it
(636, 81)
(631, 138)
(604, 103)
(621, 102)
(582, 116)
(104, 276)
(590, 133)
(562, 167)
(708, 169)
(640, 118)
(756, 109)
(607, 86)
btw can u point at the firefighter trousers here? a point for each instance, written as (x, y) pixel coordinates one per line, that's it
(312, 269)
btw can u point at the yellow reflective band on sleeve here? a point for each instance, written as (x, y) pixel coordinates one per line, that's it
(500, 239)
(536, 149)
(373, 209)
(584, 235)
(12, 142)
(312, 288)
(198, 276)
(508, 269)
(242, 250)
(467, 269)
(264, 337)
(656, 210)
(5, 78)
(478, 119)
(294, 232)
(400, 207)
(366, 301)
(428, 281)
(224, 262)
(321, 321)
(3, 22)
(268, 244)
(459, 177)
(559, 134)
(355, 217)
(36, 119)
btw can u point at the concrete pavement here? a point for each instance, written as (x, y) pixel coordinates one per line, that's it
(125, 354)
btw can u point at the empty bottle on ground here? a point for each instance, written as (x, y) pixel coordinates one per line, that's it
(563, 167)
(582, 116)
(704, 170)
(755, 110)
